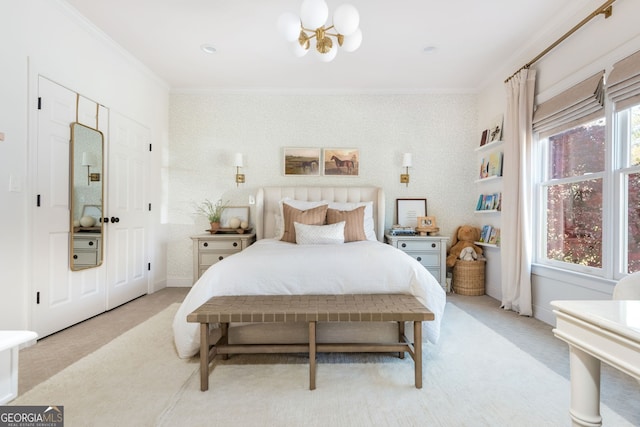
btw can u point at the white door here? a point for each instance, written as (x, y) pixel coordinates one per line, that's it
(128, 211)
(61, 297)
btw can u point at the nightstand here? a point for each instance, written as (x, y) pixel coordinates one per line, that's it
(430, 251)
(211, 248)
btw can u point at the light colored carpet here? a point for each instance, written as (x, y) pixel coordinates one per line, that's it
(473, 377)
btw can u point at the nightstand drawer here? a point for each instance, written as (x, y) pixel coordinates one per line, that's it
(225, 245)
(85, 243)
(417, 245)
(210, 249)
(427, 259)
(209, 258)
(85, 258)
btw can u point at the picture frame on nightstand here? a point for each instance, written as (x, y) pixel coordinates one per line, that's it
(408, 211)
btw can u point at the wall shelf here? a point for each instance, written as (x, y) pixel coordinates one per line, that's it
(485, 211)
(490, 146)
(489, 178)
(487, 245)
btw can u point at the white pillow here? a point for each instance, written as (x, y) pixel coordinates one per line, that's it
(369, 226)
(302, 205)
(319, 234)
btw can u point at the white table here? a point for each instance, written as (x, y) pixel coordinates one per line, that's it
(10, 342)
(607, 331)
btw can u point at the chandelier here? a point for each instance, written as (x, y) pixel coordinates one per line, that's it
(311, 24)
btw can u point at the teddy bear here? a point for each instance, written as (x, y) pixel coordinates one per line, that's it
(463, 237)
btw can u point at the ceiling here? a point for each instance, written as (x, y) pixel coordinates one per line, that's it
(473, 40)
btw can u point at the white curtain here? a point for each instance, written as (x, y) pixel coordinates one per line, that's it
(516, 194)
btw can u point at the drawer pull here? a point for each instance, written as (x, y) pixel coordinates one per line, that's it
(419, 258)
(90, 243)
(404, 245)
(205, 244)
(433, 245)
(235, 244)
(75, 256)
(220, 258)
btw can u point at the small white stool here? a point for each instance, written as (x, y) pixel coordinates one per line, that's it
(10, 342)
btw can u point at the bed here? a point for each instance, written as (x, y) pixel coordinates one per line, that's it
(313, 263)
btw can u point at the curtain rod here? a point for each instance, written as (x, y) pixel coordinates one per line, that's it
(606, 9)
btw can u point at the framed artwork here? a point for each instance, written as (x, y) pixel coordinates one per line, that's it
(408, 211)
(341, 162)
(240, 212)
(301, 161)
(427, 222)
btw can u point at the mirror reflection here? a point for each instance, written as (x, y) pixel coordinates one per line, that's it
(86, 196)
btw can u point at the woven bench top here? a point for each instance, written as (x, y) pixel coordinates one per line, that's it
(309, 308)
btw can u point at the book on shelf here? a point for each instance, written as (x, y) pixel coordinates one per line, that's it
(485, 234)
(493, 236)
(488, 202)
(495, 164)
(485, 137)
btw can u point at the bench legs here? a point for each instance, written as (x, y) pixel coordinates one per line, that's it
(417, 350)
(204, 356)
(312, 355)
(207, 354)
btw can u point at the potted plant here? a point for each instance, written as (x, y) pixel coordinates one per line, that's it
(213, 212)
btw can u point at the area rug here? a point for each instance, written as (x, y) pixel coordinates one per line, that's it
(472, 377)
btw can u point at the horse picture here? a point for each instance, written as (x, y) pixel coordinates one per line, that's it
(341, 161)
(348, 164)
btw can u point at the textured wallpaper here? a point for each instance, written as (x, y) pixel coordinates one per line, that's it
(206, 130)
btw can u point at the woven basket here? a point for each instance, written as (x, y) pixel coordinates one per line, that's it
(468, 277)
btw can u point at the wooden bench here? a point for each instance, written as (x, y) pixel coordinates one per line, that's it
(311, 309)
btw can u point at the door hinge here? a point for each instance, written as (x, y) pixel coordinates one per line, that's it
(38, 297)
(38, 201)
(39, 103)
(149, 207)
(149, 266)
(150, 147)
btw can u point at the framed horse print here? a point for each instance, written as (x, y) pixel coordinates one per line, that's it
(341, 162)
(301, 161)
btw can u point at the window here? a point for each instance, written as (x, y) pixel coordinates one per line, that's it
(571, 193)
(628, 174)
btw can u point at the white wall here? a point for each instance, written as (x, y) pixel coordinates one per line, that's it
(596, 46)
(207, 129)
(46, 37)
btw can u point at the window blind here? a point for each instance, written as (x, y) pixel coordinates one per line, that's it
(623, 83)
(579, 104)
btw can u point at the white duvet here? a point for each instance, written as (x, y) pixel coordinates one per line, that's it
(272, 267)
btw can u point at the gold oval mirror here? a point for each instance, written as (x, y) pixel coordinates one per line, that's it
(87, 178)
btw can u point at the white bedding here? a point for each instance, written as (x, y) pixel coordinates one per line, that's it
(272, 267)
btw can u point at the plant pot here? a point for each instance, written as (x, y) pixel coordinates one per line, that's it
(214, 226)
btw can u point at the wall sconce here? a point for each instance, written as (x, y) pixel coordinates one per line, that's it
(406, 163)
(238, 164)
(88, 160)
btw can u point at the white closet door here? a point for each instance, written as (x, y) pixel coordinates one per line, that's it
(127, 259)
(61, 297)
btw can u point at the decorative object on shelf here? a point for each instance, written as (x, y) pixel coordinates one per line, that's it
(406, 163)
(238, 163)
(311, 24)
(213, 211)
(464, 236)
(427, 225)
(235, 217)
(408, 211)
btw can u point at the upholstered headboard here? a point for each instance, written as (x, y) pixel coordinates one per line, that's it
(268, 204)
